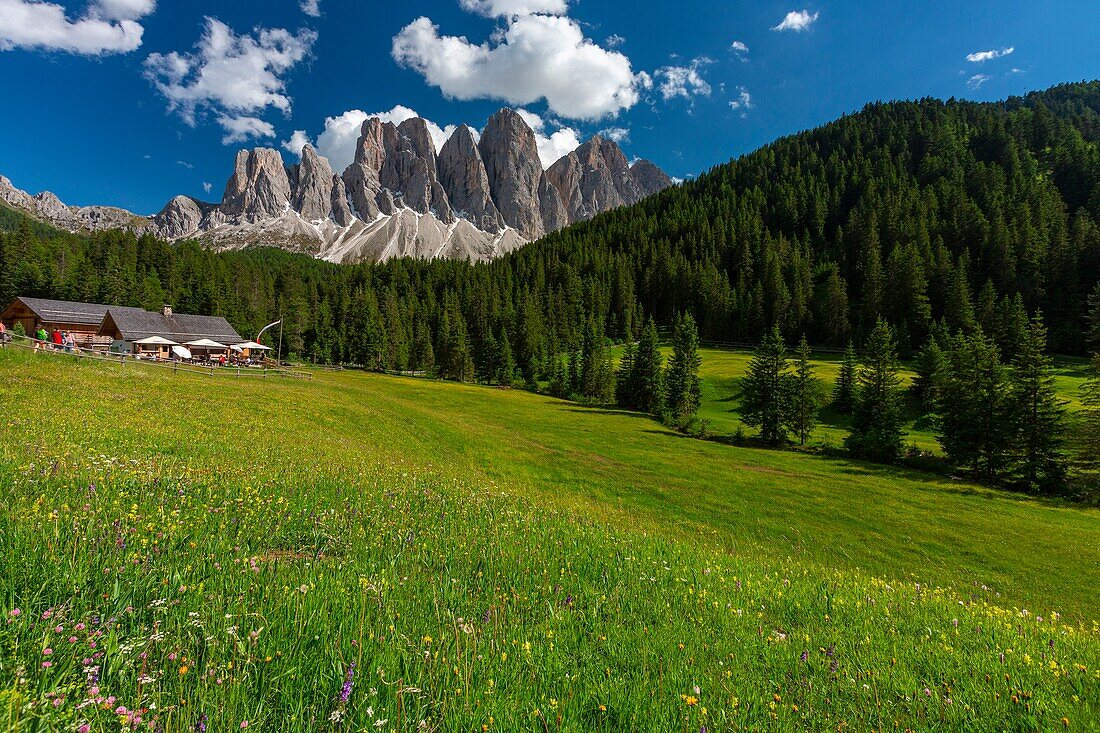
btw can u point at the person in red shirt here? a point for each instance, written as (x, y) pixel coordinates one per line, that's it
(56, 338)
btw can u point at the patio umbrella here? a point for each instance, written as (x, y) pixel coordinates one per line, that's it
(181, 352)
(156, 341)
(252, 345)
(206, 344)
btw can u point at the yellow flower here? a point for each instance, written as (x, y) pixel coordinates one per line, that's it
(183, 670)
(690, 700)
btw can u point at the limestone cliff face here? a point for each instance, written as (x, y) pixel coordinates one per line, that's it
(466, 182)
(259, 187)
(511, 158)
(474, 198)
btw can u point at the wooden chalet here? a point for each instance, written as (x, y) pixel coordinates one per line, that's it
(123, 327)
(82, 320)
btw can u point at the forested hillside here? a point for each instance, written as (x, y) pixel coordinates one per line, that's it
(954, 213)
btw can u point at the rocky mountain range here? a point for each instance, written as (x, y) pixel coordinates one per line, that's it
(476, 198)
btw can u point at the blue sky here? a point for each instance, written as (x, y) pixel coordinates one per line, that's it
(129, 102)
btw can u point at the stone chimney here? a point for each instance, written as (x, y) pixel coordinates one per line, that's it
(166, 310)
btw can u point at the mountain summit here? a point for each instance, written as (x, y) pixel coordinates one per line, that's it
(476, 198)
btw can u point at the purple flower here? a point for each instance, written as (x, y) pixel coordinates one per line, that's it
(345, 691)
(200, 726)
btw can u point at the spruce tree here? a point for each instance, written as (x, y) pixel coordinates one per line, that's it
(844, 393)
(972, 406)
(1088, 454)
(422, 355)
(682, 378)
(929, 367)
(804, 394)
(596, 379)
(876, 416)
(506, 364)
(649, 372)
(1038, 414)
(626, 390)
(1093, 314)
(765, 399)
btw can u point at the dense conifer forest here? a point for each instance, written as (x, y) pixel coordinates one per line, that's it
(936, 217)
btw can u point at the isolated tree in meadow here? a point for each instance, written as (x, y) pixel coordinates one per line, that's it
(1039, 417)
(972, 406)
(649, 378)
(805, 394)
(765, 399)
(844, 393)
(876, 416)
(682, 376)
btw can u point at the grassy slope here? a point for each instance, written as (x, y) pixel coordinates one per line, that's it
(841, 513)
(590, 495)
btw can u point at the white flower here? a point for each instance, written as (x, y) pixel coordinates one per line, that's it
(380, 723)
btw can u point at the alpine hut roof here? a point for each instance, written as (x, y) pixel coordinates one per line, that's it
(65, 311)
(133, 324)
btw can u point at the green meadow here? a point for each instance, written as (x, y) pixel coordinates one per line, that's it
(365, 552)
(722, 370)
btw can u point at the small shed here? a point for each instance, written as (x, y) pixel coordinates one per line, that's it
(82, 320)
(124, 326)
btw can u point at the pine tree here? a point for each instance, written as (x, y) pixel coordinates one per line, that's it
(422, 355)
(459, 364)
(765, 399)
(626, 390)
(1038, 414)
(649, 372)
(1093, 333)
(929, 367)
(682, 378)
(972, 406)
(876, 417)
(506, 363)
(804, 394)
(596, 379)
(1088, 454)
(844, 393)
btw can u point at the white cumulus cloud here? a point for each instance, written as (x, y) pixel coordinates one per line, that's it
(683, 81)
(298, 140)
(797, 20)
(509, 8)
(207, 186)
(554, 145)
(739, 47)
(979, 56)
(229, 73)
(534, 57)
(311, 8)
(242, 129)
(107, 26)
